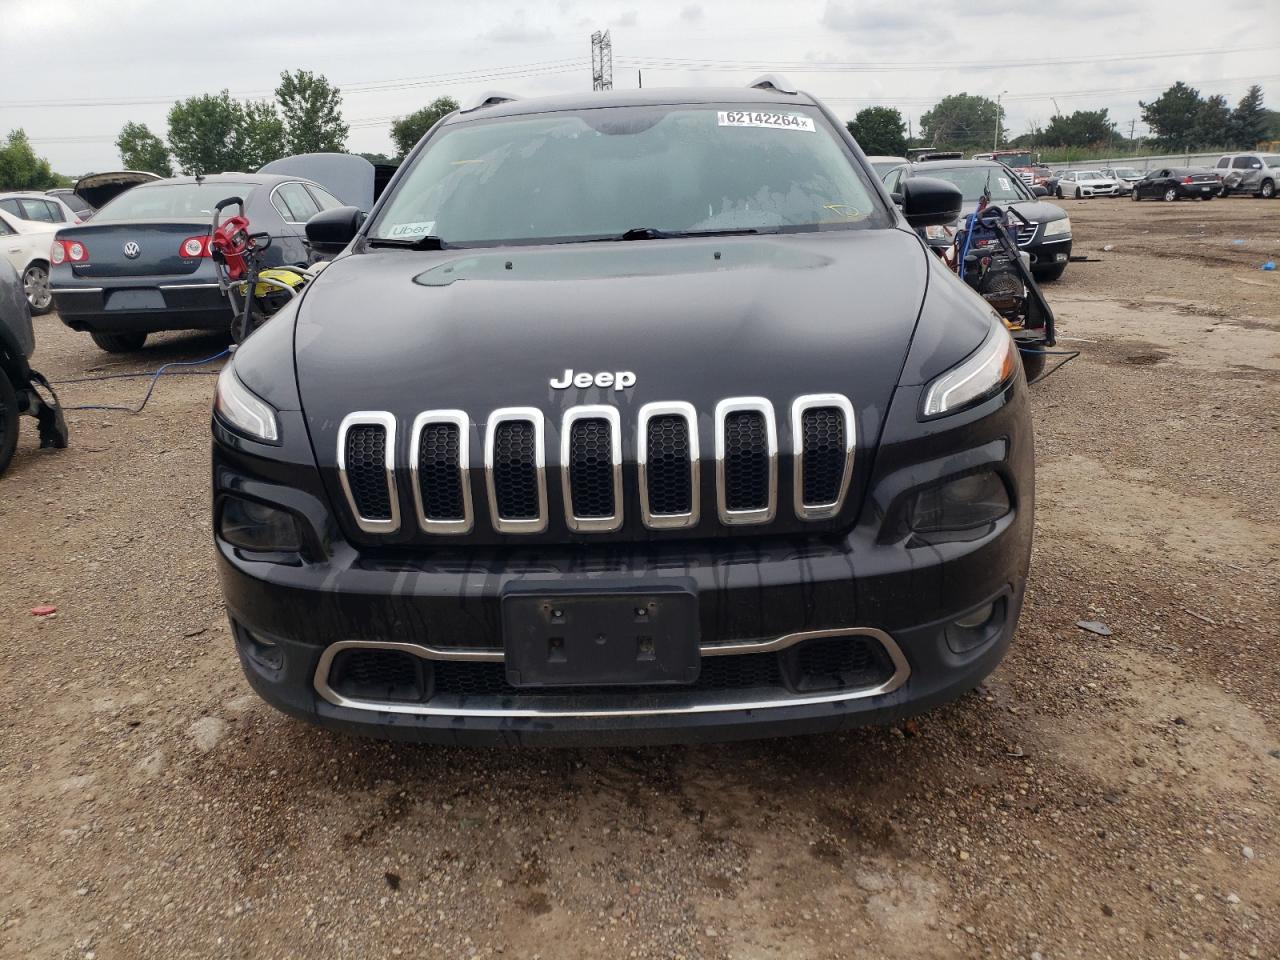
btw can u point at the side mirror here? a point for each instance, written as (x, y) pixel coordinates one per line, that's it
(329, 231)
(929, 202)
(896, 197)
(1040, 190)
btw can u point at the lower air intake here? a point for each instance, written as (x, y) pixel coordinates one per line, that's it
(378, 675)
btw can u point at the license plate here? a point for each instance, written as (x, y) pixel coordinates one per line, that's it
(601, 637)
(1204, 189)
(135, 300)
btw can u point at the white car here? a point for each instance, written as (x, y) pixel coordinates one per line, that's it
(882, 165)
(39, 208)
(26, 245)
(1125, 178)
(1086, 183)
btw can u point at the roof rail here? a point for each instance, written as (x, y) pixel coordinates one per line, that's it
(772, 81)
(487, 99)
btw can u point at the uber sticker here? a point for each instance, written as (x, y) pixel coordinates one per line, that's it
(777, 121)
(1004, 183)
(407, 231)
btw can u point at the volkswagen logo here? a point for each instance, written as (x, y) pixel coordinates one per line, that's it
(131, 250)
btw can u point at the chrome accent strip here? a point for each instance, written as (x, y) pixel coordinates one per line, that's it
(533, 415)
(388, 422)
(764, 514)
(460, 420)
(902, 671)
(820, 511)
(592, 524)
(669, 521)
(189, 286)
(78, 289)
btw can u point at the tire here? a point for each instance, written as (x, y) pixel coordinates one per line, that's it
(1033, 360)
(119, 342)
(1049, 274)
(1077, 193)
(8, 421)
(1267, 190)
(35, 284)
(1170, 195)
(1058, 192)
(1134, 196)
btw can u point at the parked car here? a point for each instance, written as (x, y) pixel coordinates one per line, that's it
(38, 208)
(1125, 178)
(20, 386)
(79, 206)
(143, 263)
(1085, 183)
(99, 189)
(882, 165)
(25, 245)
(1177, 183)
(515, 502)
(1047, 241)
(1040, 175)
(1050, 182)
(1255, 173)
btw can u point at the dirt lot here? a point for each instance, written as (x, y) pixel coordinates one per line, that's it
(1099, 797)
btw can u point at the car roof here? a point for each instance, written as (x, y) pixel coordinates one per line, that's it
(886, 158)
(254, 179)
(957, 164)
(647, 97)
(22, 194)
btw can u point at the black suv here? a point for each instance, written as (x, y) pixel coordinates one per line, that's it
(626, 417)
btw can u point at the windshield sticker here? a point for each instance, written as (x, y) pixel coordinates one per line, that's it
(411, 231)
(1004, 183)
(778, 121)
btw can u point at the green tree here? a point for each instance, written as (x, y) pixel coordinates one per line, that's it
(1212, 126)
(140, 149)
(20, 168)
(1080, 129)
(1249, 120)
(1173, 116)
(262, 135)
(880, 130)
(376, 158)
(205, 133)
(961, 120)
(311, 109)
(407, 131)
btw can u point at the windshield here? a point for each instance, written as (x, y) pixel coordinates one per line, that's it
(1090, 175)
(1128, 173)
(598, 173)
(972, 181)
(164, 201)
(1271, 159)
(1014, 159)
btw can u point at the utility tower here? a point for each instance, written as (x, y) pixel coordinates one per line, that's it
(601, 61)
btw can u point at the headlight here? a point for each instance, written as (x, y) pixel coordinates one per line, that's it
(249, 414)
(256, 526)
(938, 232)
(1057, 228)
(960, 504)
(984, 372)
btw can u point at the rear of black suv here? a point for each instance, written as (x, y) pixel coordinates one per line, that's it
(664, 426)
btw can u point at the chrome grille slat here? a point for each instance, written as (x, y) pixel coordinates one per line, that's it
(524, 481)
(658, 462)
(806, 456)
(591, 470)
(442, 478)
(370, 515)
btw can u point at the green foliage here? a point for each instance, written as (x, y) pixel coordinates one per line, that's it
(21, 169)
(140, 149)
(205, 133)
(961, 120)
(1212, 126)
(407, 131)
(1080, 129)
(376, 158)
(311, 109)
(1249, 120)
(880, 131)
(1172, 117)
(262, 135)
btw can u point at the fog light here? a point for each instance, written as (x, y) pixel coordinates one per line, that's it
(977, 618)
(255, 526)
(961, 504)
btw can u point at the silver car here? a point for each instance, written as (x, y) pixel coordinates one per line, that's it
(1086, 183)
(1125, 178)
(1255, 173)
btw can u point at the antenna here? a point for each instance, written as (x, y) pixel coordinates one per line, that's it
(601, 61)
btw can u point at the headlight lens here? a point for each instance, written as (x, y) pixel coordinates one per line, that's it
(243, 410)
(960, 504)
(1058, 228)
(256, 526)
(985, 371)
(938, 232)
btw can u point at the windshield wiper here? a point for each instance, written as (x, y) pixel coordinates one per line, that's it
(428, 242)
(652, 233)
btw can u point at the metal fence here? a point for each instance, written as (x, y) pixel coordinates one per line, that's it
(1145, 163)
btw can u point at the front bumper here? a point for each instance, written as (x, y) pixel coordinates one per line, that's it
(134, 305)
(759, 597)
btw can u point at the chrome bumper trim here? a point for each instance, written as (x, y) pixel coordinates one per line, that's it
(461, 706)
(188, 286)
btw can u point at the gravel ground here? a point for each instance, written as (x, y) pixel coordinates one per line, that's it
(1098, 797)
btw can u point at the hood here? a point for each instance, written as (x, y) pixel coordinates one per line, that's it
(98, 189)
(1037, 211)
(693, 320)
(350, 178)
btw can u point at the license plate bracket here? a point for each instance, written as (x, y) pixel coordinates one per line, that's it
(601, 636)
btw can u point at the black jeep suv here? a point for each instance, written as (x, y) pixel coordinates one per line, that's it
(626, 417)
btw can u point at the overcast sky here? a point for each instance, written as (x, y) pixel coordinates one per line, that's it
(72, 72)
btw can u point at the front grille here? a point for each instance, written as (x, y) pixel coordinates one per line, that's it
(667, 466)
(366, 452)
(591, 468)
(822, 459)
(439, 471)
(515, 470)
(1026, 233)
